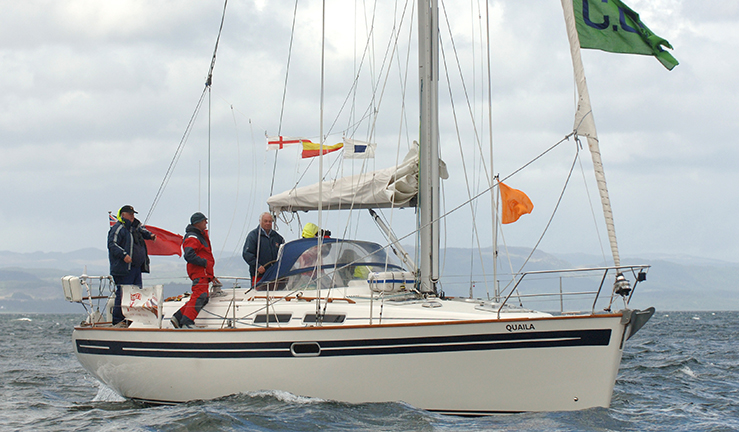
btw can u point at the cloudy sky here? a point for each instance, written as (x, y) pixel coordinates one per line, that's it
(98, 95)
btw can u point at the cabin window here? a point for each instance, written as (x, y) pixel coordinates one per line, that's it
(273, 318)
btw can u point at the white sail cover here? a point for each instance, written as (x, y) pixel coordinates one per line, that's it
(390, 187)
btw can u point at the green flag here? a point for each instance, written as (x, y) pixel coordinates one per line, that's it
(610, 25)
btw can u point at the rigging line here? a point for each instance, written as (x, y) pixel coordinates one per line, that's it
(310, 163)
(475, 233)
(256, 179)
(590, 202)
(305, 171)
(254, 187)
(287, 70)
(322, 139)
(238, 181)
(351, 205)
(404, 84)
(508, 255)
(353, 91)
(566, 138)
(372, 64)
(351, 94)
(551, 218)
(351, 129)
(176, 157)
(284, 91)
(389, 54)
(208, 83)
(400, 126)
(388, 59)
(209, 152)
(524, 166)
(466, 93)
(476, 178)
(493, 204)
(215, 50)
(188, 129)
(403, 81)
(446, 231)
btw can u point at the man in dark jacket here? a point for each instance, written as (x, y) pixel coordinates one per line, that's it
(200, 262)
(127, 254)
(261, 247)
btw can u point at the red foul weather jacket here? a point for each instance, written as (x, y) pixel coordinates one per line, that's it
(198, 253)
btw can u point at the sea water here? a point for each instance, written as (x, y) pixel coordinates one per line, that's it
(679, 373)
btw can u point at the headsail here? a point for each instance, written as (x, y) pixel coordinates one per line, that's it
(585, 126)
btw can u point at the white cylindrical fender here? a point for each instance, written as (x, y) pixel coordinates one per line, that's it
(72, 287)
(390, 282)
(109, 308)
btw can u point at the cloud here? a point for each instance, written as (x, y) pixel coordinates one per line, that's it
(98, 96)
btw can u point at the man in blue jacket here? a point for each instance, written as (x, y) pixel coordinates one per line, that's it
(261, 247)
(127, 255)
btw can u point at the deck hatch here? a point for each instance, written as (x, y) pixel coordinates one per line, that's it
(327, 318)
(273, 318)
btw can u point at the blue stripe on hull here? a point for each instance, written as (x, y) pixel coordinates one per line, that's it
(344, 348)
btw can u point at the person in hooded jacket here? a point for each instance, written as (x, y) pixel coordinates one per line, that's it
(200, 262)
(127, 255)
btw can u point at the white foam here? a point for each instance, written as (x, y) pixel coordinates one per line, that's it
(687, 371)
(106, 394)
(286, 396)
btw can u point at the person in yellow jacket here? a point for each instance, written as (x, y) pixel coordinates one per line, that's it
(310, 230)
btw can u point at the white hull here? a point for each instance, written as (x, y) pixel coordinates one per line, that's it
(463, 367)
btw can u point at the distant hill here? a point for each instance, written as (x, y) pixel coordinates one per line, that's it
(30, 282)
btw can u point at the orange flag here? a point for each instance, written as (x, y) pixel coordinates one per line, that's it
(514, 203)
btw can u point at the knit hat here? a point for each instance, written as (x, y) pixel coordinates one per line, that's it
(197, 217)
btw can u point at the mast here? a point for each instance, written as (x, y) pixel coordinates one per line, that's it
(428, 194)
(493, 177)
(585, 125)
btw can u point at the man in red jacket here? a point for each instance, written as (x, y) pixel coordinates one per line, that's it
(200, 262)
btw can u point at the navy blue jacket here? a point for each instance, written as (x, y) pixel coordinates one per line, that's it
(268, 246)
(121, 242)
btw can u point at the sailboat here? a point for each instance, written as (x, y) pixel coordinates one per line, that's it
(361, 322)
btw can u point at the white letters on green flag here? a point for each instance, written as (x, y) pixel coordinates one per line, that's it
(610, 25)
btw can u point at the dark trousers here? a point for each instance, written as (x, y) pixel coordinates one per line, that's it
(132, 278)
